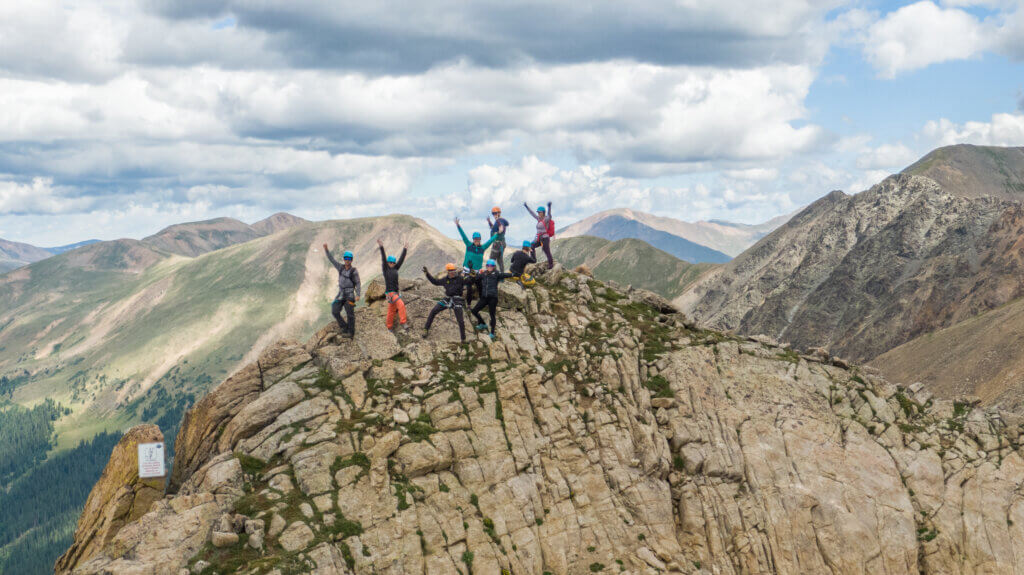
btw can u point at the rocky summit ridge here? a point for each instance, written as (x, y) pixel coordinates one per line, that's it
(601, 433)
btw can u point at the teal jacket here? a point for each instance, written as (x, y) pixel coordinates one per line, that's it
(475, 254)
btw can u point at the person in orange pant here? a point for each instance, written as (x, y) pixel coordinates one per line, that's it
(390, 267)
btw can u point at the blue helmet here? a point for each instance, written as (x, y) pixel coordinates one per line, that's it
(476, 235)
(542, 209)
(392, 260)
(491, 263)
(347, 256)
(527, 244)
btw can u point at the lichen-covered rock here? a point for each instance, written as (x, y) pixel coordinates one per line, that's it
(600, 432)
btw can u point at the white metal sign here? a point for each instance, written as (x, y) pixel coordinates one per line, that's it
(151, 460)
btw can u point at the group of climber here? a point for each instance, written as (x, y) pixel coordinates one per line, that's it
(476, 279)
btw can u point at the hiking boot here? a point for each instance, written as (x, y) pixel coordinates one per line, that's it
(491, 335)
(481, 327)
(348, 335)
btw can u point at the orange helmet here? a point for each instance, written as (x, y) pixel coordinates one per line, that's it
(495, 210)
(450, 267)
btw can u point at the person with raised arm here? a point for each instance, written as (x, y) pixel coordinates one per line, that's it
(349, 291)
(476, 248)
(545, 230)
(453, 283)
(498, 228)
(392, 294)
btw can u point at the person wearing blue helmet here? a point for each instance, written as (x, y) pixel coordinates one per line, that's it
(545, 230)
(390, 266)
(487, 283)
(520, 260)
(349, 290)
(476, 248)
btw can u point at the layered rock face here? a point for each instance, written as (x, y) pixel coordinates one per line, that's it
(118, 498)
(599, 434)
(863, 274)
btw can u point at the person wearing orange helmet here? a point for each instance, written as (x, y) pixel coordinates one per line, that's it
(453, 283)
(498, 228)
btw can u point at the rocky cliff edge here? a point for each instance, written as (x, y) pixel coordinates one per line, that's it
(600, 434)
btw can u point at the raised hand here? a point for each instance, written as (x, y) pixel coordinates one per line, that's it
(405, 246)
(457, 222)
(325, 247)
(425, 270)
(380, 243)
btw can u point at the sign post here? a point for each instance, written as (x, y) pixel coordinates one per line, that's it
(151, 460)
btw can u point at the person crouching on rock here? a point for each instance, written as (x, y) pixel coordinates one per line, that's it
(453, 283)
(487, 282)
(390, 267)
(520, 260)
(349, 290)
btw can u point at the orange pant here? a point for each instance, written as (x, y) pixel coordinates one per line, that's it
(395, 304)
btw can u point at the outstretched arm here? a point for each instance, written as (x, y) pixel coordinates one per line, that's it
(465, 240)
(383, 255)
(489, 224)
(431, 278)
(488, 243)
(334, 262)
(401, 258)
(532, 213)
(549, 209)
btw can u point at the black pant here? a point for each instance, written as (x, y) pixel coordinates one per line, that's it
(498, 254)
(491, 302)
(546, 244)
(350, 312)
(455, 307)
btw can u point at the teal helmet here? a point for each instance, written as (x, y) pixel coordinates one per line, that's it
(491, 263)
(476, 235)
(542, 209)
(347, 256)
(527, 244)
(392, 260)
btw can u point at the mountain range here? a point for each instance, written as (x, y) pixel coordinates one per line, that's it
(14, 255)
(924, 250)
(629, 262)
(696, 242)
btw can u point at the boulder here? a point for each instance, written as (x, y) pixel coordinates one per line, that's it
(118, 498)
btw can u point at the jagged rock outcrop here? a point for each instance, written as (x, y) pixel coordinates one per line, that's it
(118, 498)
(598, 434)
(863, 274)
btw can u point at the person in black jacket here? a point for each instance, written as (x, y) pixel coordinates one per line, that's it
(349, 290)
(453, 283)
(390, 267)
(520, 260)
(487, 283)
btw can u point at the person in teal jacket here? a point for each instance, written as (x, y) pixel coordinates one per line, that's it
(475, 250)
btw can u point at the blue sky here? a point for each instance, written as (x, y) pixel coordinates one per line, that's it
(123, 116)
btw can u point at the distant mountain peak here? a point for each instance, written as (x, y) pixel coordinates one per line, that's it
(974, 171)
(277, 222)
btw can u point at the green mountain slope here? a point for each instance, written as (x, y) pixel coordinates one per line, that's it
(629, 262)
(121, 332)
